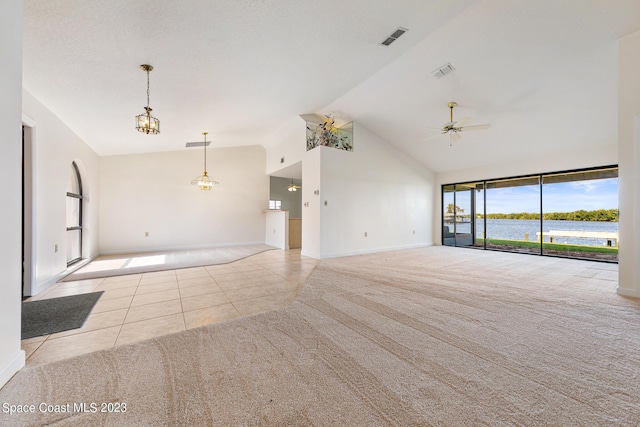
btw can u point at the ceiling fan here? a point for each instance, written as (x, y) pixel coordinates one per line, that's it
(453, 128)
(293, 187)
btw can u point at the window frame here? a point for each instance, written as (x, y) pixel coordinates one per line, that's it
(540, 177)
(79, 196)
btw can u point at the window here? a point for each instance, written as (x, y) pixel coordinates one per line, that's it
(570, 214)
(275, 204)
(74, 215)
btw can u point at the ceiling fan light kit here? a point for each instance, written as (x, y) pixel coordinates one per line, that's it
(204, 181)
(293, 187)
(145, 122)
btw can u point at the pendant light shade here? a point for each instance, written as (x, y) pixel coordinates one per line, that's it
(204, 181)
(145, 122)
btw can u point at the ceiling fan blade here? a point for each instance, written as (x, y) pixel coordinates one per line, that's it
(476, 127)
(461, 122)
(455, 136)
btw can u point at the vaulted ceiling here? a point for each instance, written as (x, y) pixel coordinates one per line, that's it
(543, 73)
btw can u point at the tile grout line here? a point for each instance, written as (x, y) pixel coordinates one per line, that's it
(184, 320)
(240, 269)
(127, 313)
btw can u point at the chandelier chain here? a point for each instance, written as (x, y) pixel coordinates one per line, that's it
(205, 152)
(147, 88)
(145, 122)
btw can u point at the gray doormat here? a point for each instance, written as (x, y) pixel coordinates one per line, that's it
(49, 316)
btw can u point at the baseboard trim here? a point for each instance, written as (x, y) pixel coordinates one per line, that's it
(43, 286)
(307, 254)
(180, 248)
(12, 367)
(627, 292)
(374, 250)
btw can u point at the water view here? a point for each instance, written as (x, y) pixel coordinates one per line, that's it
(579, 211)
(517, 229)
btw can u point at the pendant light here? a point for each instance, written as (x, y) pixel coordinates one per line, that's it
(145, 122)
(204, 181)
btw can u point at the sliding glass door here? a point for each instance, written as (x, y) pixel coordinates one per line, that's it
(580, 214)
(512, 214)
(459, 215)
(571, 214)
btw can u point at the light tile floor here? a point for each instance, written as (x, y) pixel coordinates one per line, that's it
(141, 306)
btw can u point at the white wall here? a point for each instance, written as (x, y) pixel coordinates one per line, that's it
(277, 229)
(629, 153)
(559, 161)
(153, 193)
(11, 356)
(289, 142)
(376, 190)
(311, 220)
(56, 147)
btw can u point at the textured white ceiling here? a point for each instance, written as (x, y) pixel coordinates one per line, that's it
(543, 73)
(237, 68)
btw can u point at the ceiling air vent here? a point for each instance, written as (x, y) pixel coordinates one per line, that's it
(443, 71)
(393, 37)
(196, 144)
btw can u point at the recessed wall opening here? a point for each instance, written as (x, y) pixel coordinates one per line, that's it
(286, 194)
(569, 214)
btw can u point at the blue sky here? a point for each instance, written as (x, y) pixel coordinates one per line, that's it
(562, 197)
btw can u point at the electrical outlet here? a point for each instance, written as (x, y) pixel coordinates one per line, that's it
(414, 231)
(326, 203)
(55, 249)
(365, 234)
(146, 234)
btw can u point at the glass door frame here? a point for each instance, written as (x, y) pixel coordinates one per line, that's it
(484, 182)
(472, 214)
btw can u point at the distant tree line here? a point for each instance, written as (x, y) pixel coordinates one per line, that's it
(610, 215)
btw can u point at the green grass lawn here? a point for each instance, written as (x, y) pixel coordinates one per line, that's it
(551, 246)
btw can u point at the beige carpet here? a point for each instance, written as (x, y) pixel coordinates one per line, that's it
(145, 262)
(431, 336)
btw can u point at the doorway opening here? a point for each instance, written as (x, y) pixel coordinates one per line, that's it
(28, 150)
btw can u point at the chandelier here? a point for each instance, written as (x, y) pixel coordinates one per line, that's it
(145, 122)
(204, 181)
